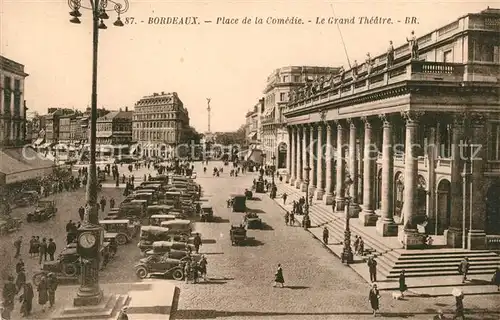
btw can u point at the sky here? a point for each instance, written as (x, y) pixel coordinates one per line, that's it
(228, 63)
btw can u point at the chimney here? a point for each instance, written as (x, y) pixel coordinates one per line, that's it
(162, 93)
(126, 109)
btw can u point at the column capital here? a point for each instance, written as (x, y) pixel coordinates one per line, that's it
(320, 126)
(459, 118)
(477, 119)
(351, 122)
(367, 121)
(339, 123)
(411, 116)
(386, 121)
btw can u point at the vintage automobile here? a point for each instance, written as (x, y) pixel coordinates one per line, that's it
(207, 213)
(134, 208)
(259, 187)
(151, 234)
(158, 209)
(248, 194)
(177, 249)
(252, 221)
(239, 202)
(121, 230)
(182, 227)
(44, 210)
(67, 265)
(157, 265)
(26, 198)
(157, 219)
(238, 235)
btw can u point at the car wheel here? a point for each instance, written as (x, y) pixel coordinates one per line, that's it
(178, 274)
(121, 239)
(141, 272)
(70, 270)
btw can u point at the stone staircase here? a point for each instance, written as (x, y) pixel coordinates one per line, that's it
(109, 309)
(391, 260)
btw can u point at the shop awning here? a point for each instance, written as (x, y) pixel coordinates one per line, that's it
(21, 164)
(38, 141)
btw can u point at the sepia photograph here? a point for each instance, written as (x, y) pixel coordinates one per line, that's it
(249, 159)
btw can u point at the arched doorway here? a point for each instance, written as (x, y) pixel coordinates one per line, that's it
(282, 149)
(493, 208)
(399, 186)
(443, 207)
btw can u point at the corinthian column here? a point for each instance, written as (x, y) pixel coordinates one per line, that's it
(386, 226)
(328, 159)
(305, 159)
(320, 191)
(288, 155)
(411, 238)
(293, 155)
(312, 162)
(367, 217)
(300, 158)
(353, 168)
(339, 187)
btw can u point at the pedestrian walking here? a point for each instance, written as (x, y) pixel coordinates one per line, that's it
(26, 299)
(43, 296)
(495, 280)
(374, 298)
(111, 203)
(195, 272)
(361, 246)
(187, 271)
(20, 265)
(203, 267)
(284, 196)
(326, 234)
(103, 203)
(459, 307)
(287, 218)
(197, 242)
(402, 283)
(279, 280)
(463, 268)
(20, 280)
(372, 268)
(123, 314)
(52, 283)
(17, 246)
(9, 294)
(356, 244)
(36, 246)
(292, 218)
(51, 249)
(32, 246)
(81, 212)
(43, 251)
(439, 316)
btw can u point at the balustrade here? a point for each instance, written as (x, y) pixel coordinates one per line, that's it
(493, 242)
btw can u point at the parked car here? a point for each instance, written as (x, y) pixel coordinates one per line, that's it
(239, 202)
(26, 198)
(162, 266)
(182, 227)
(44, 210)
(238, 235)
(121, 230)
(207, 213)
(151, 234)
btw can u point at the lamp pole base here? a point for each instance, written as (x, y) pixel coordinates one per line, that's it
(84, 298)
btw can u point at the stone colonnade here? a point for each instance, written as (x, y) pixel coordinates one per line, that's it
(332, 150)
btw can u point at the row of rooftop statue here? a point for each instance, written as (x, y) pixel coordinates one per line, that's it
(317, 85)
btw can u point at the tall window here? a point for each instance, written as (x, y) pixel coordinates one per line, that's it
(7, 95)
(282, 96)
(486, 50)
(495, 141)
(448, 56)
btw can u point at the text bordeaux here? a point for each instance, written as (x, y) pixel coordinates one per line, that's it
(174, 20)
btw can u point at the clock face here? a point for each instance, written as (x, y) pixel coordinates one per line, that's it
(87, 240)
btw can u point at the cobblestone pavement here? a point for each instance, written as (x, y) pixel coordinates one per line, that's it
(240, 282)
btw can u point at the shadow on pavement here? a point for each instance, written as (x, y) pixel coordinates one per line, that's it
(250, 210)
(208, 241)
(212, 282)
(266, 227)
(220, 220)
(296, 287)
(252, 242)
(255, 199)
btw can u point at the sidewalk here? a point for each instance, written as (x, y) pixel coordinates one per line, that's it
(417, 286)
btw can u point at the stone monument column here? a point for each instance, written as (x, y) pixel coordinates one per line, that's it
(367, 217)
(320, 191)
(411, 237)
(340, 177)
(329, 159)
(386, 225)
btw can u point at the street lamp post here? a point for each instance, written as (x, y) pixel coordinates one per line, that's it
(91, 235)
(263, 159)
(273, 169)
(347, 255)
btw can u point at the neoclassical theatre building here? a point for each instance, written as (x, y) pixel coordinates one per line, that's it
(417, 131)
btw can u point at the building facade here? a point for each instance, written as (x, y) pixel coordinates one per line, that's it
(160, 123)
(115, 128)
(12, 105)
(416, 131)
(66, 129)
(279, 84)
(252, 124)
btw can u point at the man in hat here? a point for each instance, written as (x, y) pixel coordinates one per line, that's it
(123, 314)
(52, 284)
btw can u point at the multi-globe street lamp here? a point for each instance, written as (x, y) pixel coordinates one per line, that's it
(91, 235)
(347, 255)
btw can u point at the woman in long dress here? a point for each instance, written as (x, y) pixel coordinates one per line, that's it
(402, 283)
(278, 277)
(43, 296)
(374, 298)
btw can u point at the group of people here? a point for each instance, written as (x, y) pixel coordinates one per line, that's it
(193, 270)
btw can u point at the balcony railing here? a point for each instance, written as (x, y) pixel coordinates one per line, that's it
(380, 76)
(493, 242)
